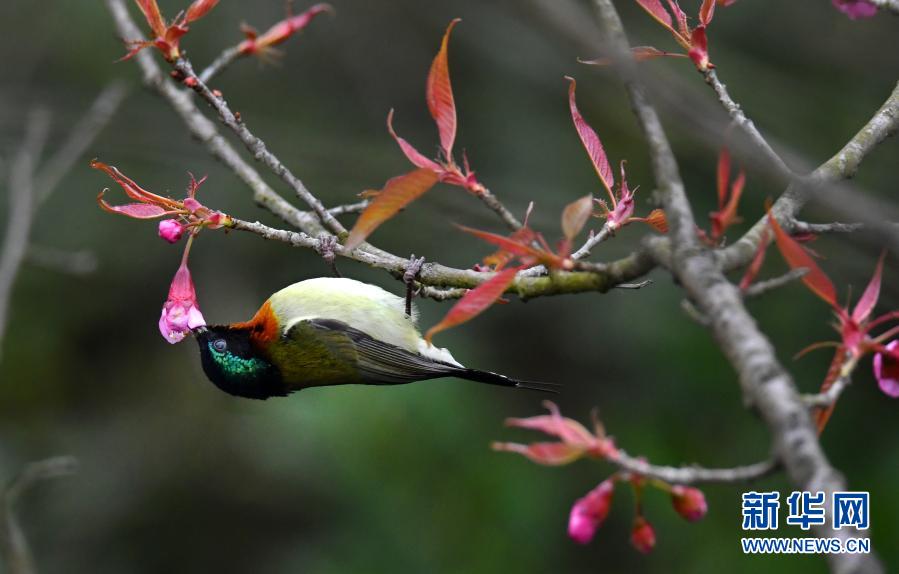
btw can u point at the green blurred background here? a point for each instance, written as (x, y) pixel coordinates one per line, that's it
(178, 477)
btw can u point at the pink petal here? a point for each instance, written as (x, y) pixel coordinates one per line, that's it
(856, 9)
(886, 370)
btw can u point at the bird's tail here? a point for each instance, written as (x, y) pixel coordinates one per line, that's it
(504, 381)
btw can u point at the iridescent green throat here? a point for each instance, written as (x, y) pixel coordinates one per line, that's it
(237, 367)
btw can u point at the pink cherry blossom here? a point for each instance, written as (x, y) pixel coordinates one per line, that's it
(181, 312)
(886, 369)
(856, 9)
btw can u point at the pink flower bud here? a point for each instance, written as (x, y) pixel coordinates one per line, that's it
(170, 230)
(886, 369)
(689, 502)
(180, 313)
(643, 537)
(589, 512)
(856, 9)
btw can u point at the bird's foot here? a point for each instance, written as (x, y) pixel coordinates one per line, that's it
(326, 246)
(412, 270)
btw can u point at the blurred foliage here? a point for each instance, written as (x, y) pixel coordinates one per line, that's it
(179, 477)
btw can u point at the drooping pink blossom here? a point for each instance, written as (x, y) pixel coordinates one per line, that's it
(689, 502)
(589, 512)
(181, 312)
(171, 230)
(886, 369)
(643, 537)
(856, 9)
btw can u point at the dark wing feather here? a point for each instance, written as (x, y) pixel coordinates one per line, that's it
(378, 362)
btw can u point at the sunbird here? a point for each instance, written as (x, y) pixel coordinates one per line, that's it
(329, 331)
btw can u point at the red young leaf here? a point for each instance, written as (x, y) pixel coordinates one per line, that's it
(706, 11)
(822, 415)
(198, 9)
(524, 235)
(591, 142)
(130, 187)
(657, 11)
(699, 49)
(656, 219)
(723, 175)
(727, 216)
(548, 453)
(797, 257)
(575, 216)
(753, 270)
(135, 210)
(640, 53)
(476, 301)
(439, 95)
(397, 194)
(153, 16)
(512, 245)
(869, 298)
(680, 17)
(417, 159)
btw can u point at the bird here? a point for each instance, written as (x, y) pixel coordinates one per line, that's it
(329, 331)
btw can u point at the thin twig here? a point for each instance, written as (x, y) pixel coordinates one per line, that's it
(222, 61)
(739, 118)
(349, 208)
(819, 228)
(830, 396)
(257, 147)
(842, 165)
(497, 206)
(80, 138)
(81, 262)
(891, 5)
(21, 208)
(761, 287)
(694, 474)
(13, 544)
(594, 240)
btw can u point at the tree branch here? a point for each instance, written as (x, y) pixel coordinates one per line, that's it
(766, 384)
(739, 118)
(21, 208)
(843, 165)
(13, 544)
(693, 474)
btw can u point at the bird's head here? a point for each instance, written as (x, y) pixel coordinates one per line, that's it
(232, 362)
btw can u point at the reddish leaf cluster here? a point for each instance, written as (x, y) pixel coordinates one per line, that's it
(168, 36)
(855, 325)
(729, 194)
(261, 44)
(402, 190)
(589, 512)
(181, 311)
(442, 105)
(189, 214)
(526, 246)
(693, 40)
(620, 210)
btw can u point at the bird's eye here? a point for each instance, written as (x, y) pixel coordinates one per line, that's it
(219, 345)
